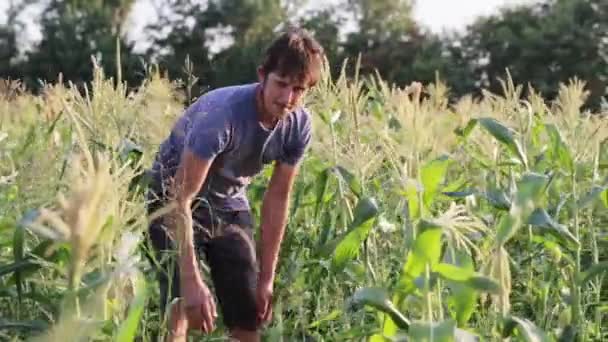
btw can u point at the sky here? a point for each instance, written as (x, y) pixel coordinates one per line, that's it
(440, 15)
(437, 15)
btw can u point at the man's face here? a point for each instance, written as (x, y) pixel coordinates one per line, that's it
(282, 94)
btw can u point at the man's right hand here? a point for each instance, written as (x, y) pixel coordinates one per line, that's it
(199, 304)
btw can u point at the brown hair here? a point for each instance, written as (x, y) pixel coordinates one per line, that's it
(295, 53)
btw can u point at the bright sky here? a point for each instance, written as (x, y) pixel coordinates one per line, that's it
(438, 15)
(441, 15)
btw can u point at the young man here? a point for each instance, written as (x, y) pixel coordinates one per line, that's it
(204, 167)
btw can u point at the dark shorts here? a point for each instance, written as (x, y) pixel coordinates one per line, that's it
(225, 240)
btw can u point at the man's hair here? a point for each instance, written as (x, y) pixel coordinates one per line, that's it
(295, 53)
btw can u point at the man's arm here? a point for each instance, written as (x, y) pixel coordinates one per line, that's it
(189, 178)
(274, 218)
(198, 305)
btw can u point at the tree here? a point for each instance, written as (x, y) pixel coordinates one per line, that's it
(9, 49)
(543, 45)
(75, 30)
(252, 25)
(325, 25)
(390, 42)
(385, 34)
(187, 39)
(223, 38)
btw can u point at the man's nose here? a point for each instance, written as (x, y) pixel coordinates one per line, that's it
(286, 95)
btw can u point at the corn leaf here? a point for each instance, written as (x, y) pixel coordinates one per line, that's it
(426, 250)
(432, 174)
(378, 298)
(505, 136)
(527, 330)
(348, 245)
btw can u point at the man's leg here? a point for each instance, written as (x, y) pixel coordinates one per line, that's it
(231, 257)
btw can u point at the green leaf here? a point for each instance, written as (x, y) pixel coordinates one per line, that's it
(349, 178)
(596, 192)
(527, 329)
(466, 131)
(348, 245)
(426, 250)
(453, 272)
(559, 152)
(327, 230)
(18, 254)
(29, 140)
(459, 194)
(432, 174)
(128, 328)
(320, 188)
(389, 328)
(378, 338)
(568, 334)
(498, 199)
(413, 202)
(378, 298)
(16, 266)
(467, 277)
(530, 187)
(366, 209)
(541, 218)
(505, 136)
(54, 123)
(510, 162)
(459, 184)
(130, 152)
(329, 317)
(439, 332)
(48, 303)
(593, 272)
(300, 190)
(28, 326)
(393, 123)
(29, 264)
(462, 299)
(484, 284)
(507, 227)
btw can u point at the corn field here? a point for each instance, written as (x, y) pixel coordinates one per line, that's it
(413, 218)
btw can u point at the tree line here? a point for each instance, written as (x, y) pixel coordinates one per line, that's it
(541, 44)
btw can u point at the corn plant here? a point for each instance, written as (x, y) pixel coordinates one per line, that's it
(413, 218)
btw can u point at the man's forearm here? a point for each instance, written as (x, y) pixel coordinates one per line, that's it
(185, 241)
(274, 218)
(189, 178)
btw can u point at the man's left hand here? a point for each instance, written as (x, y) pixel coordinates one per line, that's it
(264, 301)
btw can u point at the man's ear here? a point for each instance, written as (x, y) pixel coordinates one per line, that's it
(261, 74)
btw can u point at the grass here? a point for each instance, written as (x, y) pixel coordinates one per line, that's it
(412, 217)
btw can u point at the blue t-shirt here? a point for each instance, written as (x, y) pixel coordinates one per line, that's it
(223, 124)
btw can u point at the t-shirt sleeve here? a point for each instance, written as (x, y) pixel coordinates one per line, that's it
(298, 142)
(210, 133)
